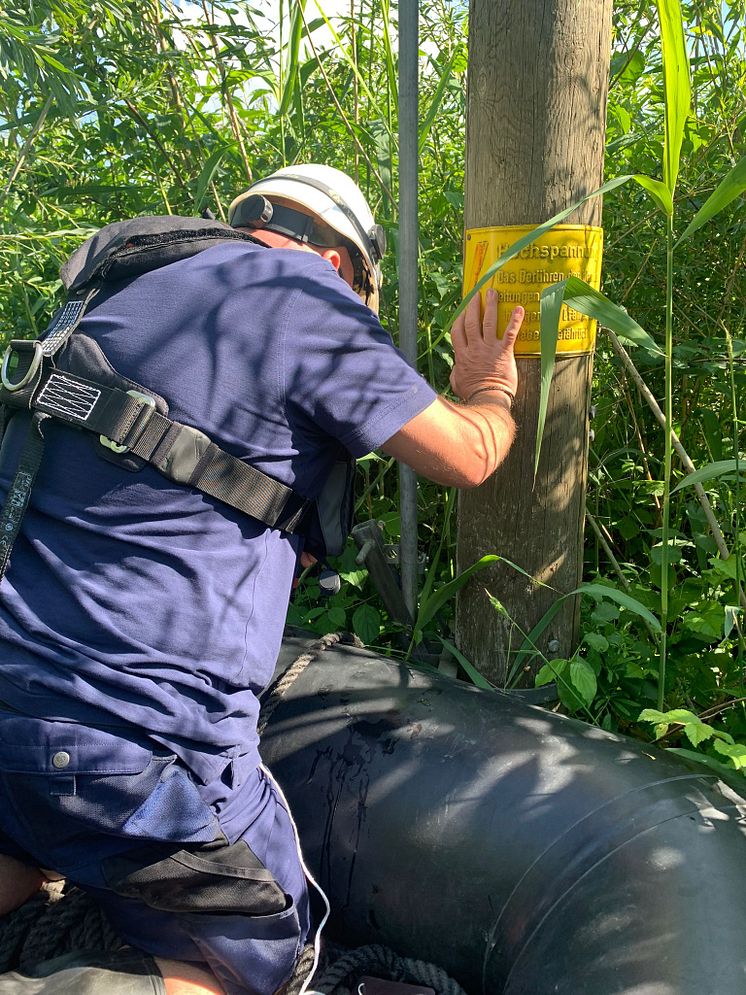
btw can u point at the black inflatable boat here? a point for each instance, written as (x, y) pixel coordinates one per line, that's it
(523, 851)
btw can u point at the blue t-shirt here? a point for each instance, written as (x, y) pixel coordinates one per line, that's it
(136, 603)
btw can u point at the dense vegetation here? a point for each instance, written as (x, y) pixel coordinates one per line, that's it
(112, 108)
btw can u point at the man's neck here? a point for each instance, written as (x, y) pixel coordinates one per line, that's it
(337, 257)
(277, 241)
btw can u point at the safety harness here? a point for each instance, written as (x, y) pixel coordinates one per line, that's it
(65, 376)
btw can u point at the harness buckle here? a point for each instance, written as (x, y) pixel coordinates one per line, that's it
(114, 446)
(15, 351)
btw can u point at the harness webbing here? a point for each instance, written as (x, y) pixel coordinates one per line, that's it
(126, 421)
(19, 492)
(65, 321)
(180, 452)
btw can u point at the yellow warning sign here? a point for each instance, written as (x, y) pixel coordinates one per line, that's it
(566, 250)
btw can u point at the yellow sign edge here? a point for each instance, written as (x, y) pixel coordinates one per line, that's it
(527, 228)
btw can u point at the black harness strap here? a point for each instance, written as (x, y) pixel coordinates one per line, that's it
(181, 453)
(19, 492)
(187, 456)
(31, 362)
(125, 420)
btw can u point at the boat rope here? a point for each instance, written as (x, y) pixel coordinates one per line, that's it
(47, 926)
(61, 919)
(273, 696)
(341, 977)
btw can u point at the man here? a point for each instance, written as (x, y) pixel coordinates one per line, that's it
(140, 618)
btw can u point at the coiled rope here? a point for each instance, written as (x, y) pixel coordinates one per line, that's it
(343, 973)
(55, 921)
(62, 919)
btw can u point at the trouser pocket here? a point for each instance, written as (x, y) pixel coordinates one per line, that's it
(217, 878)
(72, 794)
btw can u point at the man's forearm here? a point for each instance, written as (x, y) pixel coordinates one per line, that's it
(492, 431)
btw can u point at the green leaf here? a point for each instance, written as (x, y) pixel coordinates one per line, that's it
(599, 591)
(354, 577)
(393, 80)
(697, 732)
(710, 472)
(469, 669)
(653, 715)
(675, 552)
(605, 613)
(676, 85)
(568, 695)
(627, 68)
(336, 617)
(731, 616)
(706, 623)
(432, 111)
(435, 602)
(678, 715)
(657, 190)
(695, 729)
(726, 773)
(546, 675)
(291, 57)
(366, 623)
(727, 191)
(594, 304)
(50, 60)
(550, 311)
(730, 568)
(207, 174)
(583, 679)
(528, 646)
(596, 641)
(736, 753)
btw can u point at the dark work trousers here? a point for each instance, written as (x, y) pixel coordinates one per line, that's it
(205, 873)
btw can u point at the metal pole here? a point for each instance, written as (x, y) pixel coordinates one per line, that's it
(408, 272)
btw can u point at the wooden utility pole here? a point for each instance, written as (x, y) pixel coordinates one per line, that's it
(537, 87)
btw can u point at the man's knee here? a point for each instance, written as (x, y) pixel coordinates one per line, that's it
(18, 882)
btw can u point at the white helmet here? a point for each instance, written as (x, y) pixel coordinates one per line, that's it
(335, 200)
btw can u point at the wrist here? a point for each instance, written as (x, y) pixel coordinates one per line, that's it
(502, 395)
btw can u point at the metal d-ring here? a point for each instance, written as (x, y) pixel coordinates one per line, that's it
(34, 365)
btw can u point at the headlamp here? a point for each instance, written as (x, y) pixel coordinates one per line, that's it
(256, 211)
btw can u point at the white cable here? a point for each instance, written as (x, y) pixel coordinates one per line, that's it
(311, 880)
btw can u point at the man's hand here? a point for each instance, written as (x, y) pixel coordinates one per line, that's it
(462, 444)
(481, 359)
(306, 560)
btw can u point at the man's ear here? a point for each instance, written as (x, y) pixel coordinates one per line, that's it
(339, 257)
(334, 257)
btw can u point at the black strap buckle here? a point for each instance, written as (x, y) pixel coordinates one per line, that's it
(22, 358)
(138, 426)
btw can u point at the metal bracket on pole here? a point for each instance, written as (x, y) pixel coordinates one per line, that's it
(375, 558)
